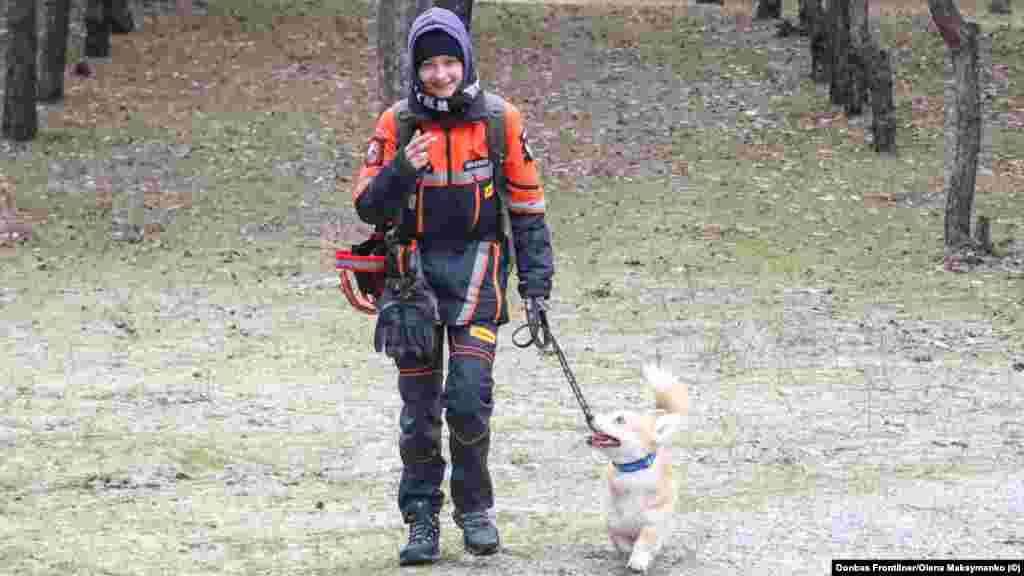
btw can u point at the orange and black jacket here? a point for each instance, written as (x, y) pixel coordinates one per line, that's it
(454, 211)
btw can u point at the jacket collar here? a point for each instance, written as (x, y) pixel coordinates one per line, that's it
(477, 110)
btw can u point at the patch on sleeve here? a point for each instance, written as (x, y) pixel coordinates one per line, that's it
(375, 153)
(484, 334)
(527, 151)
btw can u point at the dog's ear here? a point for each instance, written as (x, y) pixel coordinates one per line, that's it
(665, 426)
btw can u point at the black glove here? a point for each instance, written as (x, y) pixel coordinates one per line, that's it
(406, 316)
(537, 321)
(536, 311)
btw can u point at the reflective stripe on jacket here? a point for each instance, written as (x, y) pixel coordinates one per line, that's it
(453, 209)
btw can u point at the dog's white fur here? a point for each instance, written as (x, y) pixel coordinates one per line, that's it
(640, 504)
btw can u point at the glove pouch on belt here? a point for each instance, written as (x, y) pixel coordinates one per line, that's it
(407, 310)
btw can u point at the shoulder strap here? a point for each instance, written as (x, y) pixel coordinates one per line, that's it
(496, 149)
(406, 122)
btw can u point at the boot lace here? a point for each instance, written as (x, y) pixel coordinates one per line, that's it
(474, 520)
(422, 530)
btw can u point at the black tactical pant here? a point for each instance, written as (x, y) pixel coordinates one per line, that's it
(466, 400)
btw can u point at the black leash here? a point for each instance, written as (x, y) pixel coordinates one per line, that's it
(541, 336)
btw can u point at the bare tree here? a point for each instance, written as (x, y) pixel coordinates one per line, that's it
(53, 53)
(861, 51)
(814, 21)
(21, 121)
(839, 51)
(121, 20)
(1000, 7)
(464, 8)
(963, 124)
(389, 27)
(883, 112)
(98, 27)
(768, 9)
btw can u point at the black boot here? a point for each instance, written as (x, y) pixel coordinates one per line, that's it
(424, 544)
(479, 534)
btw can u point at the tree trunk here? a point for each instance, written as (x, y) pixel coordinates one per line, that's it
(883, 113)
(963, 136)
(464, 8)
(839, 51)
(121, 20)
(21, 122)
(817, 30)
(859, 58)
(804, 14)
(768, 10)
(98, 28)
(963, 121)
(983, 234)
(53, 55)
(393, 19)
(1000, 7)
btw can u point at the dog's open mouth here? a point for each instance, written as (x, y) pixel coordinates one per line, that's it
(602, 440)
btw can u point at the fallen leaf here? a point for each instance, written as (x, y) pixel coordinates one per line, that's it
(712, 232)
(152, 230)
(878, 200)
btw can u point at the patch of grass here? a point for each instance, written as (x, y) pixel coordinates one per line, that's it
(88, 521)
(552, 418)
(759, 484)
(940, 470)
(792, 107)
(1006, 143)
(516, 24)
(722, 434)
(1007, 45)
(533, 531)
(928, 55)
(260, 15)
(802, 219)
(520, 457)
(746, 64)
(201, 529)
(798, 376)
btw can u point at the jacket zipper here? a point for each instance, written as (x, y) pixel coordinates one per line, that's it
(448, 152)
(419, 209)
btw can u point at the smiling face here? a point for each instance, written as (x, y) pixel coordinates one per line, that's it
(441, 76)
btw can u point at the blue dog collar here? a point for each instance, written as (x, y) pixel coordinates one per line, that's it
(636, 465)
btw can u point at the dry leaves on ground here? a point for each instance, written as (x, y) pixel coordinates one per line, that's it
(177, 66)
(15, 224)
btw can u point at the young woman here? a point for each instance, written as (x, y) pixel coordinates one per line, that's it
(451, 218)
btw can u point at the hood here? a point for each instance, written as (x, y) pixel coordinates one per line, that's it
(441, 19)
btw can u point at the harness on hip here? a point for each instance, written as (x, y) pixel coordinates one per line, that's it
(368, 262)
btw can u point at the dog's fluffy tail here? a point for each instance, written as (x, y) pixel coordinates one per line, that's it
(670, 394)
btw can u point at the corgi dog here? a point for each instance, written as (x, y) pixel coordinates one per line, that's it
(641, 493)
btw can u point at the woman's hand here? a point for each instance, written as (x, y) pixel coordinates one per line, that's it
(416, 150)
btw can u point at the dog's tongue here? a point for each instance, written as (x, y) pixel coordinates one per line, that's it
(602, 439)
